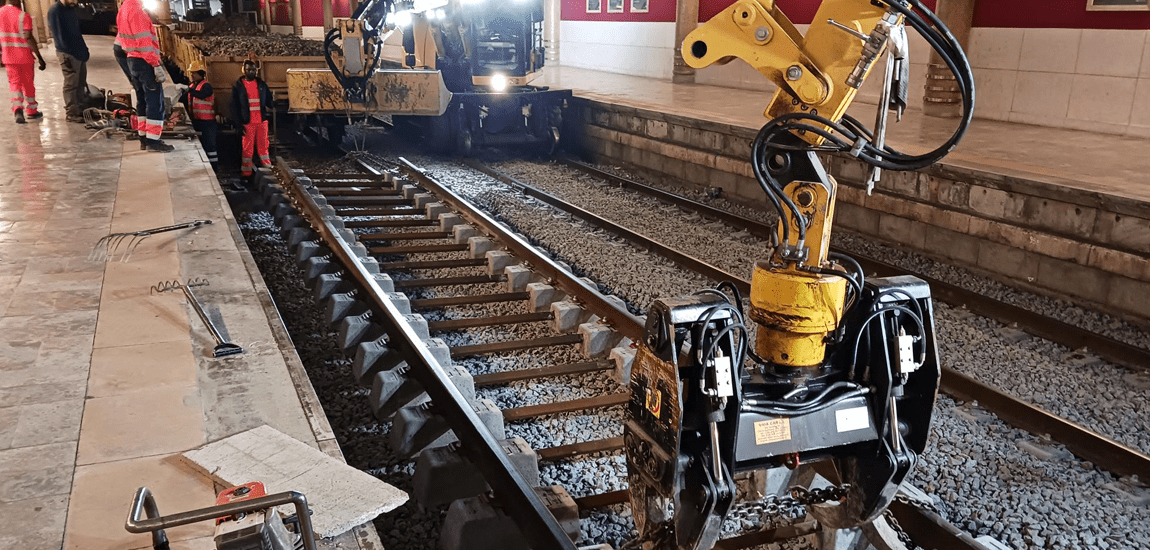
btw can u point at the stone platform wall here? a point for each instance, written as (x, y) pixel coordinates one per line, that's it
(1031, 234)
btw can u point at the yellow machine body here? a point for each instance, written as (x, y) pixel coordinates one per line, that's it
(397, 92)
(757, 32)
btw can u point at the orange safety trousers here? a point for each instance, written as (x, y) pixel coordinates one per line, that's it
(255, 142)
(22, 84)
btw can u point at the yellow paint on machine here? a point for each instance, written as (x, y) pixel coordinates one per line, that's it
(794, 310)
(397, 92)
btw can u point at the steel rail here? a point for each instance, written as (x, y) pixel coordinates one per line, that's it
(1087, 444)
(684, 260)
(538, 526)
(620, 319)
(1065, 334)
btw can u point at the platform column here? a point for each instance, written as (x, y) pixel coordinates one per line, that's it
(164, 12)
(266, 14)
(327, 16)
(552, 17)
(942, 97)
(296, 18)
(686, 20)
(38, 13)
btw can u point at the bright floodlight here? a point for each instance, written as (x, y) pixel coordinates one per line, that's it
(498, 82)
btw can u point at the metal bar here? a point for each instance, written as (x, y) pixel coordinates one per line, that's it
(533, 411)
(432, 264)
(404, 236)
(603, 500)
(593, 301)
(333, 192)
(156, 523)
(473, 322)
(515, 345)
(393, 223)
(417, 249)
(767, 536)
(1101, 450)
(448, 301)
(581, 448)
(398, 211)
(369, 201)
(450, 281)
(931, 530)
(685, 260)
(538, 526)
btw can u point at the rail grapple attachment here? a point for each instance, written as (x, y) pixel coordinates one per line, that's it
(703, 409)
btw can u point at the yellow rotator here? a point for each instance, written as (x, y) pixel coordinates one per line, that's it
(795, 305)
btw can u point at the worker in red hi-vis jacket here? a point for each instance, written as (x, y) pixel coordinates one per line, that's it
(251, 109)
(17, 48)
(134, 34)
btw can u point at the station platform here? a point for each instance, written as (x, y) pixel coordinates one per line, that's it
(102, 383)
(1077, 160)
(1059, 212)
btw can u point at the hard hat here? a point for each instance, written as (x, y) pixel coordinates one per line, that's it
(196, 66)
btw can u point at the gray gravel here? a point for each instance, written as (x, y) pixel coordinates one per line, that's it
(1135, 332)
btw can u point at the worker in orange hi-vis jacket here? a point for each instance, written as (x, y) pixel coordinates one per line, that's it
(18, 51)
(251, 110)
(135, 35)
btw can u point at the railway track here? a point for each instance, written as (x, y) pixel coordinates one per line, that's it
(1109, 454)
(346, 227)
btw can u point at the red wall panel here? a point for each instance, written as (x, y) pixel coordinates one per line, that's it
(311, 11)
(657, 11)
(1054, 14)
(800, 12)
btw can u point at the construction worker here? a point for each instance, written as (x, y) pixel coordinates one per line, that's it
(73, 55)
(251, 109)
(17, 48)
(135, 36)
(201, 101)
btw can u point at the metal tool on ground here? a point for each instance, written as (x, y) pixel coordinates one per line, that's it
(223, 346)
(110, 245)
(245, 518)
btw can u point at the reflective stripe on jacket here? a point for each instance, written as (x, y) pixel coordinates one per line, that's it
(134, 33)
(202, 109)
(15, 47)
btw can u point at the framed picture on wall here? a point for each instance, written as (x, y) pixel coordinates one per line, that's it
(594, 6)
(1117, 5)
(614, 6)
(639, 6)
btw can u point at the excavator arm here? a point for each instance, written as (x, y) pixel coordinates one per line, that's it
(838, 369)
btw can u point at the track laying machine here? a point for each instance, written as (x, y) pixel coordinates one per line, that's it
(466, 70)
(836, 372)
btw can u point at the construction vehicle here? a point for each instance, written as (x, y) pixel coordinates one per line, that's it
(466, 67)
(838, 372)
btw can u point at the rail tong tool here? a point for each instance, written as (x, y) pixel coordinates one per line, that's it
(223, 347)
(109, 245)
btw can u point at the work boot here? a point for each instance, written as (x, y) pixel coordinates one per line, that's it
(143, 143)
(36, 115)
(75, 119)
(19, 116)
(158, 146)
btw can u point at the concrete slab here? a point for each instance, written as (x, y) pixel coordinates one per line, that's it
(341, 497)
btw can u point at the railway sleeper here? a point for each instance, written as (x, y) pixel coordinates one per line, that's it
(328, 284)
(476, 524)
(445, 474)
(416, 427)
(394, 389)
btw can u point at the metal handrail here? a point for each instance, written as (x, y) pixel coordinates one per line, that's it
(537, 524)
(144, 504)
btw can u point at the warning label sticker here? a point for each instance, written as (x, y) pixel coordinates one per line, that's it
(654, 402)
(770, 431)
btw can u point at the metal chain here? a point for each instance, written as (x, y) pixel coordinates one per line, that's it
(903, 536)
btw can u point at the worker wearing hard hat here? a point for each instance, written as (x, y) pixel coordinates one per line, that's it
(201, 101)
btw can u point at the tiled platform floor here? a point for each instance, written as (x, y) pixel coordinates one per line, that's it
(1103, 163)
(101, 383)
